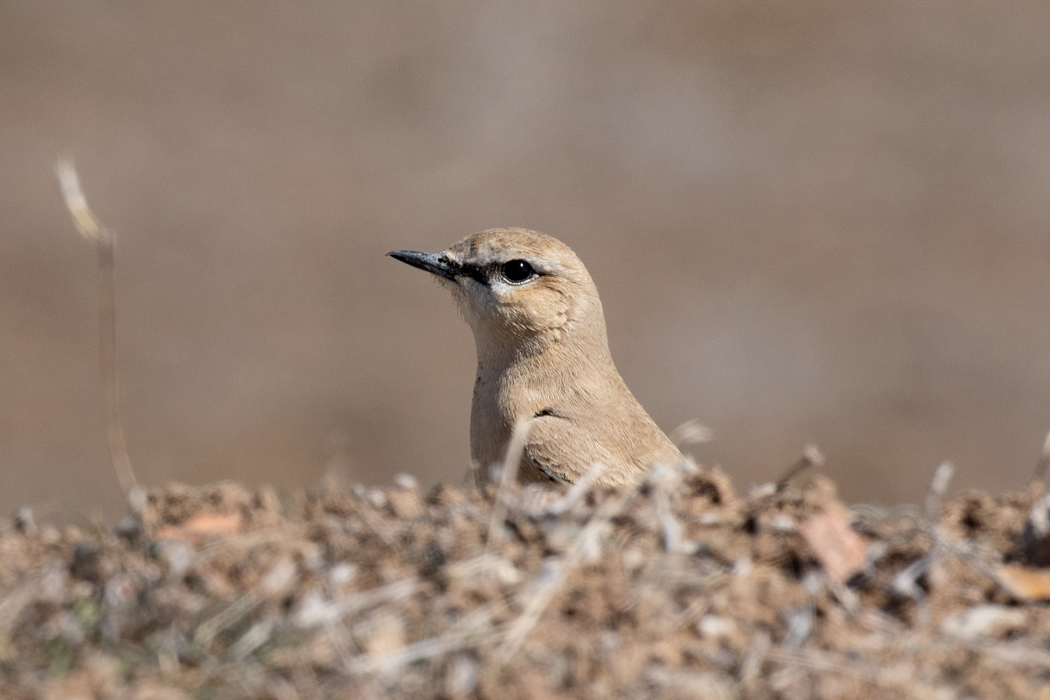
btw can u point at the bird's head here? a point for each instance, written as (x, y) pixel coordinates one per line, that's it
(516, 285)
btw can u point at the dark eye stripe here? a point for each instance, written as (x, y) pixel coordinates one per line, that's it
(483, 274)
(474, 272)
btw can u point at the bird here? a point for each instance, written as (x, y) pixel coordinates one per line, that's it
(543, 358)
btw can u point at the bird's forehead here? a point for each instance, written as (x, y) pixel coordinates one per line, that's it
(488, 251)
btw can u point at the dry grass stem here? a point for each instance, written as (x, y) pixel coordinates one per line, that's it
(571, 497)
(507, 478)
(207, 631)
(314, 613)
(938, 485)
(1044, 462)
(811, 457)
(665, 481)
(89, 226)
(472, 630)
(691, 433)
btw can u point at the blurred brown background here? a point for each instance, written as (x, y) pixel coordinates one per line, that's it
(809, 221)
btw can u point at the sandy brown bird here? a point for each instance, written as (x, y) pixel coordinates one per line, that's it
(543, 357)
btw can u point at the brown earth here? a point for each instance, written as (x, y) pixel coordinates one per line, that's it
(677, 589)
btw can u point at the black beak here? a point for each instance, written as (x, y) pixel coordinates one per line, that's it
(434, 263)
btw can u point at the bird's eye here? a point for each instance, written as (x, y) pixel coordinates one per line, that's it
(516, 271)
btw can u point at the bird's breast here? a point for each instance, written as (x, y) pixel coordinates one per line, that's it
(489, 427)
(501, 399)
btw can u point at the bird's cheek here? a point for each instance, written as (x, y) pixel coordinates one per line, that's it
(478, 308)
(540, 318)
(466, 294)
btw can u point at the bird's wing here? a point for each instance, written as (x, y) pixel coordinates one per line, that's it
(557, 450)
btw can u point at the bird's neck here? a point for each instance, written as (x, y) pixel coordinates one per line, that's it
(501, 353)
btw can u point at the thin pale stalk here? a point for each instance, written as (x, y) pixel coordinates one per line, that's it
(89, 226)
(507, 477)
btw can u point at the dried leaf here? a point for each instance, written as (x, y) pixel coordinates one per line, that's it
(198, 528)
(838, 548)
(1023, 582)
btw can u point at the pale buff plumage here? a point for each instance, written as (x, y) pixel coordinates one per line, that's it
(543, 357)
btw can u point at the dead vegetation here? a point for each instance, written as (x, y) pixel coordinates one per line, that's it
(678, 588)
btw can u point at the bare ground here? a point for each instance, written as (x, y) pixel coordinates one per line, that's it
(679, 588)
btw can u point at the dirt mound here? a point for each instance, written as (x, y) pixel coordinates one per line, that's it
(678, 588)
